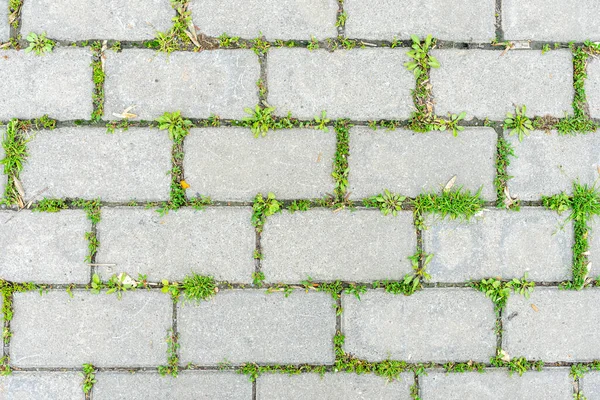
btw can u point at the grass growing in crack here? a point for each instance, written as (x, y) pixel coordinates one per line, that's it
(340, 162)
(193, 288)
(299, 205)
(122, 125)
(260, 45)
(258, 278)
(387, 202)
(411, 282)
(253, 371)
(199, 203)
(177, 126)
(7, 289)
(260, 120)
(504, 151)
(15, 149)
(469, 366)
(172, 367)
(335, 289)
(519, 365)
(5, 369)
(89, 378)
(226, 41)
(178, 36)
(313, 44)
(50, 205)
(98, 78)
(498, 291)
(421, 59)
(518, 123)
(91, 207)
(455, 204)
(322, 121)
(39, 44)
(263, 208)
(118, 284)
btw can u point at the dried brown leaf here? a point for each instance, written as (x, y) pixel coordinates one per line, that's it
(535, 308)
(450, 184)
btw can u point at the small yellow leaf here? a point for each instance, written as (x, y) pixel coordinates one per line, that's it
(535, 308)
(450, 184)
(184, 184)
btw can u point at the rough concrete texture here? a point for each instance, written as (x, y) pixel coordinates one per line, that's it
(220, 82)
(544, 83)
(549, 384)
(589, 385)
(466, 21)
(189, 385)
(97, 19)
(44, 247)
(431, 325)
(358, 84)
(502, 243)
(58, 84)
(332, 386)
(217, 241)
(563, 324)
(410, 163)
(41, 385)
(4, 25)
(231, 164)
(592, 87)
(91, 328)
(259, 327)
(323, 245)
(87, 162)
(275, 19)
(594, 241)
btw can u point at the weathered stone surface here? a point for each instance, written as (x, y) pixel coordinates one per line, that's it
(4, 26)
(41, 386)
(358, 84)
(44, 247)
(220, 82)
(411, 163)
(500, 243)
(58, 84)
(594, 241)
(259, 327)
(218, 241)
(544, 83)
(86, 162)
(589, 385)
(431, 325)
(352, 246)
(91, 328)
(592, 87)
(231, 164)
(97, 19)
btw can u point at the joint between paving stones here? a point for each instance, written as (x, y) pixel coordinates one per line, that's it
(14, 19)
(262, 84)
(498, 22)
(341, 17)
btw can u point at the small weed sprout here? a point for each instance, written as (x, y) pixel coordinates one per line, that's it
(258, 278)
(518, 123)
(322, 122)
(39, 44)
(263, 208)
(177, 126)
(89, 377)
(452, 123)
(421, 60)
(313, 44)
(260, 120)
(387, 202)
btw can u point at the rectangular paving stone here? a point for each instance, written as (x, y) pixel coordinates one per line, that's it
(592, 87)
(499, 243)
(4, 26)
(562, 327)
(272, 18)
(589, 385)
(332, 386)
(546, 164)
(97, 19)
(258, 327)
(220, 82)
(44, 247)
(231, 164)
(497, 384)
(351, 246)
(91, 328)
(439, 325)
(544, 83)
(358, 84)
(189, 385)
(41, 385)
(88, 163)
(218, 241)
(467, 21)
(58, 84)
(410, 163)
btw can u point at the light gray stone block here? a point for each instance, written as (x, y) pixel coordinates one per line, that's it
(500, 243)
(189, 385)
(220, 82)
(358, 84)
(58, 84)
(497, 384)
(97, 19)
(440, 325)
(91, 328)
(332, 386)
(231, 164)
(258, 327)
(274, 19)
(44, 247)
(88, 163)
(466, 21)
(411, 163)
(592, 87)
(41, 385)
(561, 327)
(544, 83)
(589, 385)
(594, 241)
(351, 246)
(218, 241)
(4, 26)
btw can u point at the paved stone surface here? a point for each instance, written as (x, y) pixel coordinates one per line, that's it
(231, 164)
(544, 83)
(220, 82)
(98, 329)
(550, 384)
(272, 18)
(332, 249)
(433, 325)
(332, 386)
(467, 21)
(189, 385)
(41, 385)
(260, 327)
(408, 163)
(97, 19)
(217, 241)
(89, 163)
(359, 84)
(563, 325)
(44, 247)
(594, 241)
(4, 26)
(592, 87)
(589, 385)
(500, 243)
(64, 74)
